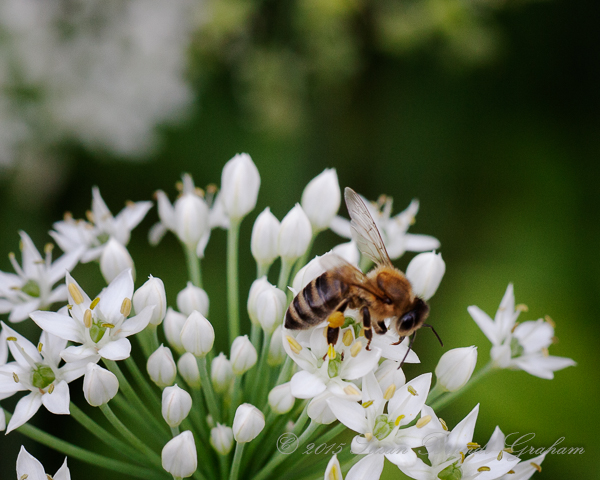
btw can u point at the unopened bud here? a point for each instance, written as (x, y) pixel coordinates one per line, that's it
(192, 298)
(151, 293)
(264, 238)
(455, 368)
(179, 456)
(176, 405)
(247, 423)
(425, 273)
(197, 334)
(114, 259)
(99, 385)
(281, 399)
(221, 439)
(295, 234)
(221, 373)
(188, 369)
(270, 308)
(243, 355)
(161, 367)
(172, 325)
(240, 182)
(321, 199)
(256, 289)
(277, 353)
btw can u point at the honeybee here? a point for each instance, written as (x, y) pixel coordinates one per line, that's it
(382, 293)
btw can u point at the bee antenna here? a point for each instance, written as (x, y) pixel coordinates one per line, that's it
(436, 334)
(412, 339)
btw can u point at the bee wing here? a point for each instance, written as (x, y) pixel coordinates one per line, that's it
(342, 269)
(364, 231)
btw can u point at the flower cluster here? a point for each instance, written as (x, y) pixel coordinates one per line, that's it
(191, 412)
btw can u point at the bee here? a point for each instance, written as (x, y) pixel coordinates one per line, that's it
(382, 293)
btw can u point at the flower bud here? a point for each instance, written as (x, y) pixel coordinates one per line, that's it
(161, 367)
(176, 405)
(455, 368)
(308, 272)
(277, 353)
(281, 399)
(295, 234)
(264, 238)
(221, 439)
(191, 217)
(151, 293)
(240, 182)
(221, 373)
(192, 298)
(348, 251)
(172, 325)
(247, 423)
(99, 385)
(188, 369)
(270, 307)
(255, 290)
(179, 456)
(197, 334)
(321, 199)
(243, 355)
(114, 259)
(425, 273)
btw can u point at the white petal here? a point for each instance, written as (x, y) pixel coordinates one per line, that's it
(74, 370)
(306, 385)
(404, 458)
(463, 432)
(406, 403)
(25, 409)
(64, 263)
(371, 391)
(365, 362)
(420, 243)
(59, 294)
(63, 472)
(534, 335)
(349, 413)
(136, 324)
(487, 325)
(341, 226)
(319, 410)
(156, 233)
(419, 471)
(541, 366)
(79, 353)
(21, 343)
(116, 350)
(30, 466)
(369, 468)
(496, 441)
(21, 311)
(112, 296)
(133, 214)
(57, 402)
(62, 326)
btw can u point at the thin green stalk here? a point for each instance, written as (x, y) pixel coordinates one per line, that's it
(262, 270)
(235, 396)
(193, 266)
(265, 443)
(255, 335)
(198, 412)
(223, 466)
(232, 280)
(207, 388)
(237, 459)
(284, 274)
(286, 370)
(125, 406)
(151, 455)
(104, 435)
(259, 390)
(142, 382)
(84, 455)
(448, 398)
(304, 258)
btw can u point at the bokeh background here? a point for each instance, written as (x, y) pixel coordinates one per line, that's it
(487, 111)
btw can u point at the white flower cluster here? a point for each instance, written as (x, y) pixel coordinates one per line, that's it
(192, 398)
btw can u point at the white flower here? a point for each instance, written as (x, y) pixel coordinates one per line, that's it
(152, 293)
(455, 368)
(519, 346)
(295, 235)
(31, 287)
(393, 229)
(29, 467)
(37, 372)
(321, 199)
(92, 236)
(176, 405)
(221, 439)
(277, 353)
(101, 327)
(188, 369)
(270, 308)
(243, 355)
(247, 423)
(221, 373)
(453, 454)
(114, 259)
(240, 182)
(348, 251)
(388, 373)
(281, 399)
(192, 298)
(179, 456)
(197, 334)
(99, 385)
(172, 326)
(525, 468)
(256, 289)
(264, 238)
(161, 367)
(333, 470)
(425, 273)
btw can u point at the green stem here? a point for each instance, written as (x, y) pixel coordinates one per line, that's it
(235, 396)
(123, 404)
(259, 390)
(262, 270)
(193, 266)
(209, 394)
(142, 382)
(237, 459)
(232, 280)
(198, 413)
(79, 453)
(284, 274)
(223, 466)
(449, 397)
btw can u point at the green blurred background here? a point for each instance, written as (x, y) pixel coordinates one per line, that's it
(489, 117)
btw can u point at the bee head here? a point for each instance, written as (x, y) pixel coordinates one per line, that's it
(410, 321)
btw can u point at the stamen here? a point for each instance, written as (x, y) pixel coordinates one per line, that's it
(484, 469)
(356, 348)
(87, 318)
(412, 391)
(107, 325)
(23, 477)
(389, 392)
(13, 261)
(40, 346)
(211, 188)
(94, 303)
(536, 466)
(51, 388)
(129, 203)
(367, 404)
(336, 319)
(90, 216)
(443, 423)
(500, 455)
(75, 294)
(331, 352)
(462, 457)
(69, 306)
(294, 345)
(15, 377)
(368, 436)
(347, 338)
(199, 192)
(11, 339)
(126, 307)
(423, 421)
(399, 419)
(473, 446)
(545, 352)
(350, 390)
(179, 186)
(521, 307)
(511, 471)
(512, 330)
(507, 450)
(67, 216)
(549, 321)
(333, 473)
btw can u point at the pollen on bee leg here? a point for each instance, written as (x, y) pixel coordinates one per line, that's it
(389, 392)
(423, 421)
(75, 293)
(330, 352)
(521, 307)
(347, 338)
(126, 307)
(412, 391)
(399, 419)
(350, 390)
(536, 466)
(356, 348)
(294, 345)
(336, 319)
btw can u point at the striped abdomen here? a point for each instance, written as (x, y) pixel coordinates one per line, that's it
(315, 302)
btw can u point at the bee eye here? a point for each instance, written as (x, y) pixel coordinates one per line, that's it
(387, 300)
(408, 320)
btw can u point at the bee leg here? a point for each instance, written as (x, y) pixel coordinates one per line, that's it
(412, 339)
(400, 340)
(366, 321)
(382, 327)
(436, 334)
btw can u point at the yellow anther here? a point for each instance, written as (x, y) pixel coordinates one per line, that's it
(20, 245)
(336, 319)
(512, 330)
(350, 390)
(368, 436)
(500, 455)
(549, 321)
(49, 477)
(40, 346)
(39, 262)
(356, 348)
(334, 474)
(536, 466)
(51, 388)
(511, 472)
(443, 424)
(67, 216)
(199, 191)
(87, 318)
(423, 421)
(367, 404)
(462, 457)
(69, 306)
(129, 203)
(545, 352)
(90, 216)
(473, 446)
(179, 186)
(347, 339)
(399, 419)
(294, 345)
(126, 307)
(484, 469)
(75, 294)
(107, 325)
(11, 339)
(521, 307)
(11, 256)
(24, 477)
(48, 248)
(389, 392)
(331, 352)
(94, 303)
(554, 340)
(211, 188)
(15, 377)
(412, 391)
(507, 450)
